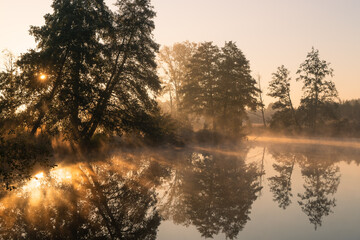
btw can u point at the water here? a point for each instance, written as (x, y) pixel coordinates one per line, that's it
(255, 191)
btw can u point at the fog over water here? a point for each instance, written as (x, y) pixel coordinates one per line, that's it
(257, 190)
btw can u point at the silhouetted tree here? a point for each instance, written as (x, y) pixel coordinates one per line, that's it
(200, 88)
(317, 90)
(98, 66)
(237, 89)
(279, 87)
(219, 86)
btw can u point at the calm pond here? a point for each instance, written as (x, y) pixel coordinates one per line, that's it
(262, 190)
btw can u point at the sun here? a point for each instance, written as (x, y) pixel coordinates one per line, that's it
(39, 175)
(42, 77)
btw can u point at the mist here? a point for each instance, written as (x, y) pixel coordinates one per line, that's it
(106, 134)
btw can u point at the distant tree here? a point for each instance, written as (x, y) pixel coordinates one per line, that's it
(279, 87)
(93, 70)
(317, 90)
(348, 122)
(200, 88)
(237, 88)
(173, 62)
(219, 86)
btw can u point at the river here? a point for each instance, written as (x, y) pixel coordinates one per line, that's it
(256, 190)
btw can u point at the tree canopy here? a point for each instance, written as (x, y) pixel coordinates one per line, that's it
(317, 89)
(93, 70)
(279, 87)
(219, 86)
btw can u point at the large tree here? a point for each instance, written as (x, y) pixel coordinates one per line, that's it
(237, 88)
(92, 70)
(219, 86)
(200, 87)
(317, 89)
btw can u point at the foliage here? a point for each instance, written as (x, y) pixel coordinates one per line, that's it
(103, 202)
(219, 86)
(237, 89)
(279, 87)
(173, 62)
(200, 87)
(317, 90)
(99, 66)
(18, 157)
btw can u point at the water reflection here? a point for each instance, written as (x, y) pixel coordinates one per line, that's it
(83, 201)
(128, 195)
(212, 192)
(280, 184)
(321, 177)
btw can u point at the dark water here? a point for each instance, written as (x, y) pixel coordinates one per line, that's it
(258, 191)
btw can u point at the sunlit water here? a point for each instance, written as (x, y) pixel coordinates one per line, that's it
(255, 191)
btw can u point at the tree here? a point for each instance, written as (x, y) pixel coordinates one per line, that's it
(174, 61)
(317, 90)
(279, 87)
(237, 88)
(93, 70)
(219, 86)
(201, 83)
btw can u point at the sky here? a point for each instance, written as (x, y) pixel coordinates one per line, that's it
(270, 33)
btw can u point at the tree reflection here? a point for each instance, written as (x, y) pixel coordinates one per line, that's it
(280, 185)
(322, 179)
(213, 192)
(85, 201)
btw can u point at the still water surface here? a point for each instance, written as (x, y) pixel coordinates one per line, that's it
(253, 191)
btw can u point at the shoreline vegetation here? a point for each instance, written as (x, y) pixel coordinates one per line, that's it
(96, 76)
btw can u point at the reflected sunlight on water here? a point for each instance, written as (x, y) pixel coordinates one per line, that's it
(220, 193)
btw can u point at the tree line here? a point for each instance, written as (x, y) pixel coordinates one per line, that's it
(205, 81)
(320, 112)
(98, 71)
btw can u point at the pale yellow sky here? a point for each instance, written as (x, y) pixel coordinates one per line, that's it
(269, 32)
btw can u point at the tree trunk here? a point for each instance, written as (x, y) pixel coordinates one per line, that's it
(293, 113)
(262, 104)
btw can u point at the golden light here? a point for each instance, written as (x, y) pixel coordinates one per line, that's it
(42, 77)
(34, 183)
(39, 175)
(61, 174)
